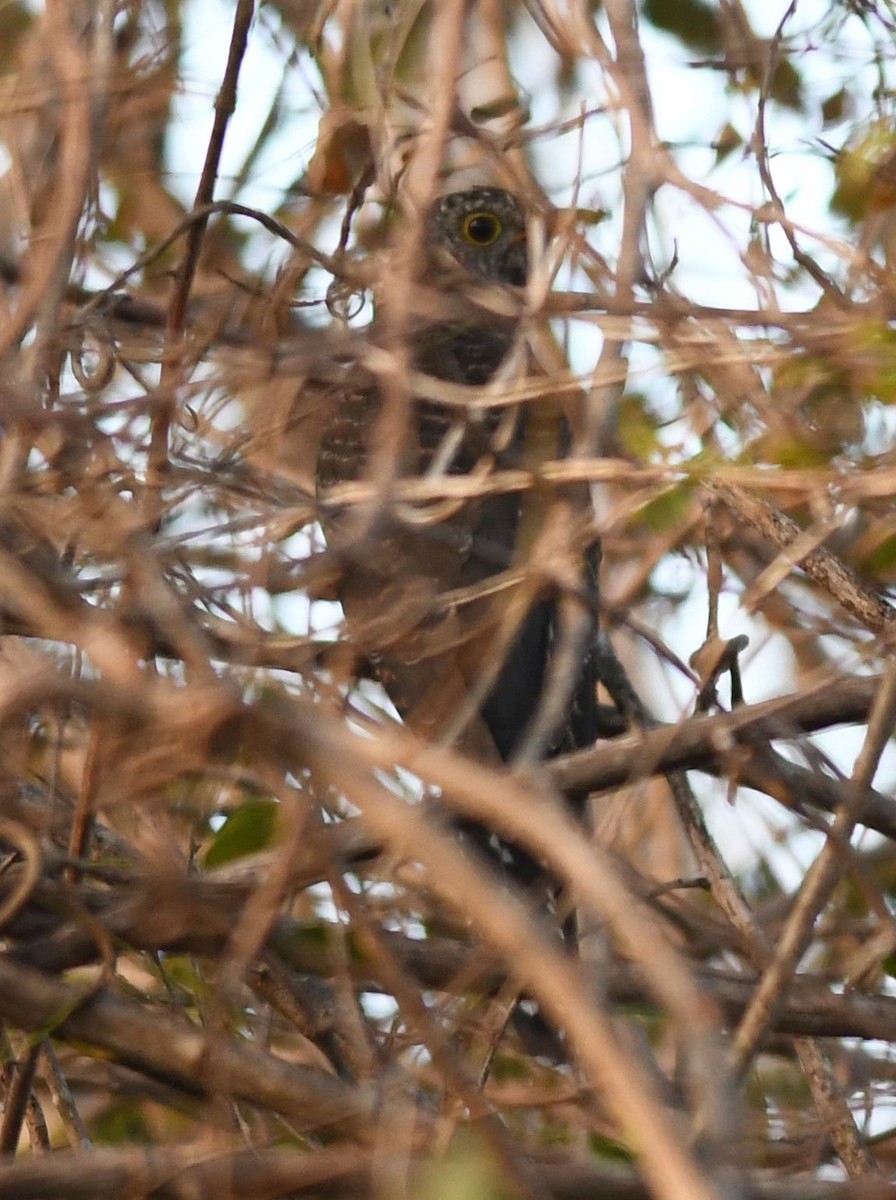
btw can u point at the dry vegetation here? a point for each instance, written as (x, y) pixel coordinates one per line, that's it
(242, 955)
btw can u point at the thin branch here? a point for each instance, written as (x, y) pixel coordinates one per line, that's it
(868, 607)
(172, 362)
(177, 1053)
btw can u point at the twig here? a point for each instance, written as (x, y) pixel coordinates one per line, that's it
(868, 607)
(172, 363)
(176, 1052)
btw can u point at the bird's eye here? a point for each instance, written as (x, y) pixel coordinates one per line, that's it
(481, 228)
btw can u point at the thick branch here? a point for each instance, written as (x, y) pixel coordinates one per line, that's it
(187, 1057)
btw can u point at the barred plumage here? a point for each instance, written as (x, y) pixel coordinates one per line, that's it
(432, 662)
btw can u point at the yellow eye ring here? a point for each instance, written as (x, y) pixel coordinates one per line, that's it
(481, 228)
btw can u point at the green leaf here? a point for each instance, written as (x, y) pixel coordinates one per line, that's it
(693, 22)
(608, 1149)
(503, 106)
(466, 1172)
(247, 830)
(786, 85)
(123, 1121)
(726, 142)
(836, 107)
(882, 559)
(637, 428)
(857, 169)
(668, 508)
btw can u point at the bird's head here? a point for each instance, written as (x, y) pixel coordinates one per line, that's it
(484, 231)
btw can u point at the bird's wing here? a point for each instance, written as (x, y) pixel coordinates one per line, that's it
(462, 631)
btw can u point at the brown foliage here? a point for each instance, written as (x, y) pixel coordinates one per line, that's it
(243, 953)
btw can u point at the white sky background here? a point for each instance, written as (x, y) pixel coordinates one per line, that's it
(691, 106)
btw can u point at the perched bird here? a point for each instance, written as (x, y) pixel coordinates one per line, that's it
(437, 596)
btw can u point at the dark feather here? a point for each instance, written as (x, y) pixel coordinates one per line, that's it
(430, 657)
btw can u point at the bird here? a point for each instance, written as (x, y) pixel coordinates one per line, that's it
(437, 599)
